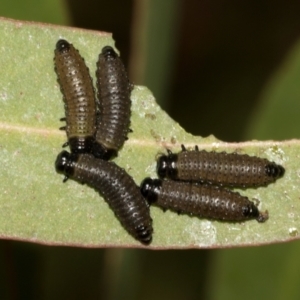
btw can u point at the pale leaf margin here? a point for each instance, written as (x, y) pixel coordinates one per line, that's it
(35, 206)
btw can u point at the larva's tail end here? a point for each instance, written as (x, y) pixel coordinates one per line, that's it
(147, 239)
(275, 171)
(144, 233)
(100, 151)
(281, 171)
(263, 217)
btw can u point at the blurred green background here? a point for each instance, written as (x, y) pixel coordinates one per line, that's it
(228, 68)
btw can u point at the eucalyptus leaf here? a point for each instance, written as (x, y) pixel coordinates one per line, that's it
(37, 207)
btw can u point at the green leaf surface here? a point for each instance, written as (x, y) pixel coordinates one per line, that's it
(36, 206)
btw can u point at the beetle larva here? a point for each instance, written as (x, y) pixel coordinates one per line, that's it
(205, 201)
(115, 185)
(79, 97)
(218, 168)
(114, 104)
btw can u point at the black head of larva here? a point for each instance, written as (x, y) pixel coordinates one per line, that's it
(166, 165)
(108, 52)
(150, 189)
(64, 163)
(274, 170)
(62, 45)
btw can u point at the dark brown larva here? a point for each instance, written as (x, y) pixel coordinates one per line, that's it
(218, 168)
(205, 201)
(115, 185)
(114, 104)
(79, 97)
